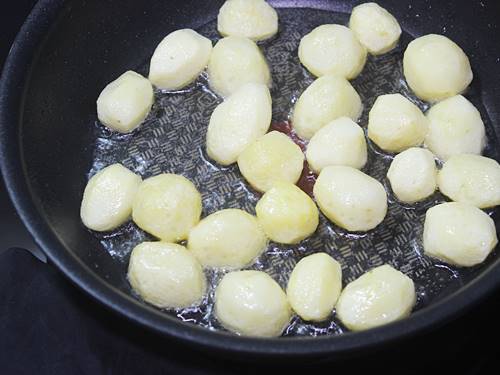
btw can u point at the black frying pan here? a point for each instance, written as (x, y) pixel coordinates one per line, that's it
(65, 54)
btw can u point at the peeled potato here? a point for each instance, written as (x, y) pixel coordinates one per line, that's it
(166, 275)
(396, 124)
(341, 142)
(459, 234)
(314, 286)
(455, 127)
(227, 239)
(254, 19)
(238, 121)
(179, 58)
(436, 68)
(380, 296)
(108, 196)
(325, 100)
(235, 61)
(270, 159)
(251, 303)
(287, 214)
(125, 103)
(471, 179)
(167, 206)
(413, 175)
(332, 49)
(375, 28)
(351, 199)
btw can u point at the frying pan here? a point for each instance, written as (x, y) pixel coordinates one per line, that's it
(67, 51)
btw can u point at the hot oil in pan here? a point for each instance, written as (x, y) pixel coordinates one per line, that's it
(172, 140)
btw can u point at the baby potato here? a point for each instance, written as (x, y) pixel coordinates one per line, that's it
(270, 159)
(341, 142)
(436, 68)
(251, 303)
(314, 286)
(166, 275)
(253, 19)
(375, 28)
(125, 103)
(332, 49)
(287, 214)
(455, 127)
(351, 199)
(325, 100)
(108, 196)
(380, 296)
(179, 59)
(471, 179)
(227, 239)
(167, 206)
(459, 234)
(395, 123)
(413, 175)
(238, 121)
(235, 61)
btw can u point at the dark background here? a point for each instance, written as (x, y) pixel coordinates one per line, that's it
(47, 326)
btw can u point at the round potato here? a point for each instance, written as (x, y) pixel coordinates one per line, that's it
(235, 61)
(395, 123)
(125, 103)
(167, 206)
(251, 303)
(332, 49)
(351, 199)
(166, 275)
(179, 59)
(287, 214)
(314, 286)
(455, 127)
(253, 19)
(436, 68)
(459, 234)
(325, 100)
(380, 296)
(471, 179)
(108, 196)
(270, 159)
(238, 121)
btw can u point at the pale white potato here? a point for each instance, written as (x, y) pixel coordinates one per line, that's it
(251, 303)
(314, 286)
(351, 199)
(107, 198)
(380, 296)
(472, 179)
(459, 234)
(341, 142)
(395, 123)
(455, 127)
(287, 214)
(375, 28)
(179, 59)
(332, 49)
(167, 206)
(125, 103)
(436, 68)
(253, 19)
(227, 239)
(413, 175)
(270, 159)
(326, 99)
(235, 61)
(238, 121)
(166, 275)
